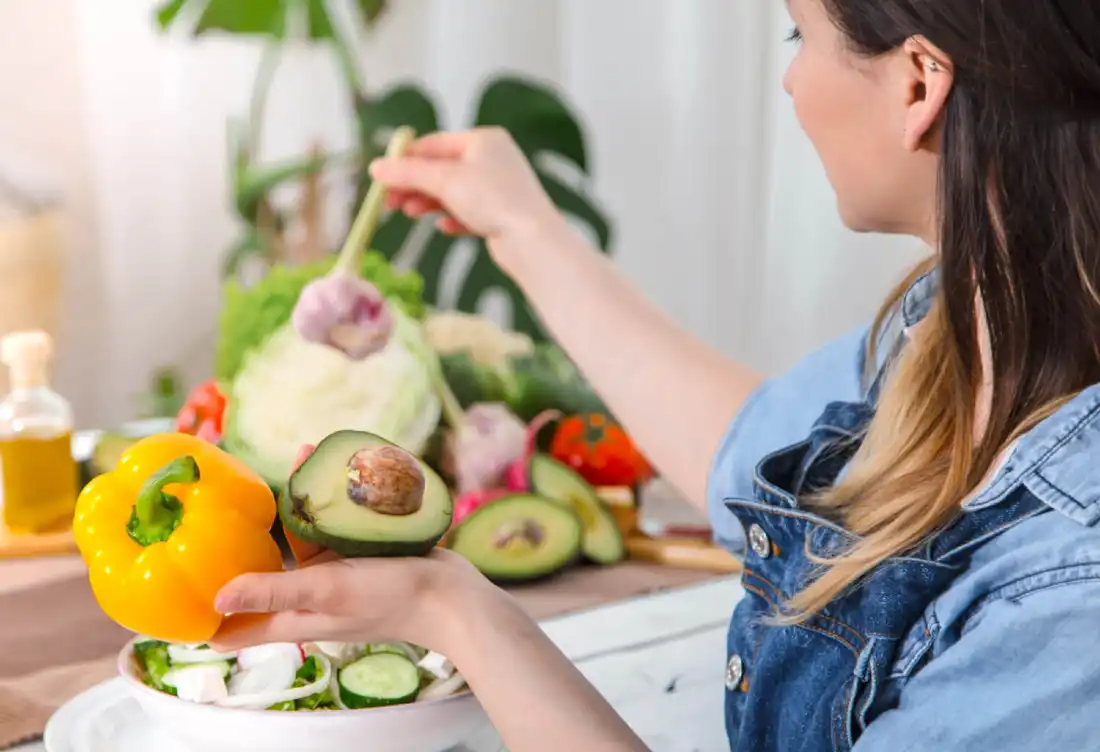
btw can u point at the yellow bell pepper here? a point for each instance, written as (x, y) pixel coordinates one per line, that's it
(167, 528)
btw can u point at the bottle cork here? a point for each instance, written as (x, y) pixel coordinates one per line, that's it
(27, 355)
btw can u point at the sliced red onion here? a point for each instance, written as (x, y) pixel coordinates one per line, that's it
(188, 654)
(340, 652)
(274, 674)
(409, 650)
(266, 698)
(288, 651)
(198, 683)
(334, 690)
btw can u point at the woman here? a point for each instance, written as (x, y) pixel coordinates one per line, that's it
(919, 498)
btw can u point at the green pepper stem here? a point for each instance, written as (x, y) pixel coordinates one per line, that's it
(366, 221)
(156, 514)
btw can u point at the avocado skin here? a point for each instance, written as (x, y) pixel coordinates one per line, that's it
(109, 448)
(604, 547)
(348, 548)
(289, 503)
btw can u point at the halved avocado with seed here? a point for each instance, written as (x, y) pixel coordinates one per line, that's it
(360, 495)
(603, 541)
(519, 538)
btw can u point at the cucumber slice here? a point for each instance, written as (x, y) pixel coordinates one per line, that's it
(379, 679)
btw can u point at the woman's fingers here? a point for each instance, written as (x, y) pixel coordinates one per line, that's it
(312, 588)
(303, 454)
(415, 174)
(418, 206)
(440, 145)
(451, 226)
(415, 204)
(248, 630)
(303, 551)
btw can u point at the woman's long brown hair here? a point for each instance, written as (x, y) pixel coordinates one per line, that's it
(1019, 247)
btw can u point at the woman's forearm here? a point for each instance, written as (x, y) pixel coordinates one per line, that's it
(673, 393)
(536, 698)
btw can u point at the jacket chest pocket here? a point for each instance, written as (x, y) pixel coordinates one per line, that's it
(883, 668)
(864, 691)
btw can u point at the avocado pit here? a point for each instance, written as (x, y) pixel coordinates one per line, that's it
(386, 479)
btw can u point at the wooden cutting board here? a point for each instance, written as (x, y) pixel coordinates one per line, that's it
(682, 553)
(25, 546)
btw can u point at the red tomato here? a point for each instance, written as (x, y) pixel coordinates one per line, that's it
(600, 451)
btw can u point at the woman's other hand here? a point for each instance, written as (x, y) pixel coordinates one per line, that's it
(304, 552)
(481, 183)
(441, 602)
(344, 600)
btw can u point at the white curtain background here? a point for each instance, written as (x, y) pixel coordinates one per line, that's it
(721, 210)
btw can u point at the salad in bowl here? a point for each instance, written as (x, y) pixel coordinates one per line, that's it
(298, 677)
(306, 697)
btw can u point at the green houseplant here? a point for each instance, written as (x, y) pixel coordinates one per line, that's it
(539, 119)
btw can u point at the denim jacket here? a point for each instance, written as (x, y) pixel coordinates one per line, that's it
(988, 640)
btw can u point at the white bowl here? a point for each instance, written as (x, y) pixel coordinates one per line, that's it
(452, 722)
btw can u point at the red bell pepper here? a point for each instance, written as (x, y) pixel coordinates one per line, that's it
(203, 413)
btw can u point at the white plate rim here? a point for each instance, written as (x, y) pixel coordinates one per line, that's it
(57, 735)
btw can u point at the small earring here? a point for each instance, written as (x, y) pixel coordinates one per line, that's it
(933, 66)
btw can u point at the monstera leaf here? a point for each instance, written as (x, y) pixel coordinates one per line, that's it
(544, 129)
(270, 18)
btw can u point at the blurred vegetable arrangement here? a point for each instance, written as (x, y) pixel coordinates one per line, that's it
(541, 122)
(532, 454)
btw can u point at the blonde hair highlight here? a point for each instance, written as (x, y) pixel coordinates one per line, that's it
(917, 462)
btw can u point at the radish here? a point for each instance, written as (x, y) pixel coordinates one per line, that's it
(471, 501)
(515, 476)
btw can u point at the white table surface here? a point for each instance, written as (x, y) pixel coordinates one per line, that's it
(659, 659)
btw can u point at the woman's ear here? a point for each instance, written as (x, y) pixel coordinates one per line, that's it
(929, 75)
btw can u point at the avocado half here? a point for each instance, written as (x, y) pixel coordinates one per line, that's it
(519, 538)
(603, 540)
(109, 448)
(322, 504)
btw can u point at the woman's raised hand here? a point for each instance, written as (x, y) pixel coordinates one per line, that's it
(479, 181)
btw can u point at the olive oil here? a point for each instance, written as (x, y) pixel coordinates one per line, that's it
(38, 475)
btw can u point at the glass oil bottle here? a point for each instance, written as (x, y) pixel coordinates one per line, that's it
(38, 474)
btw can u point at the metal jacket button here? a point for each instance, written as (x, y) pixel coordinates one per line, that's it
(758, 541)
(735, 669)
